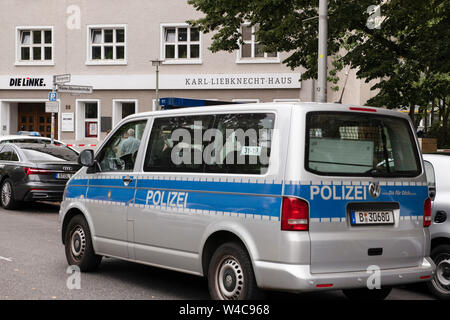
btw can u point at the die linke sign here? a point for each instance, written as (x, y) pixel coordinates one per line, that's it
(166, 81)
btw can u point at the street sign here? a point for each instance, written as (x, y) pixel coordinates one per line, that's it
(61, 78)
(52, 96)
(70, 88)
(52, 106)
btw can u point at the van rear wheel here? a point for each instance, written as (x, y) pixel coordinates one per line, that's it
(78, 245)
(440, 284)
(230, 274)
(365, 294)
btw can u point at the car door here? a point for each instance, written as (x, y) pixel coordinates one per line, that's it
(112, 186)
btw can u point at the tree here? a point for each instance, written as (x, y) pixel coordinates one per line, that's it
(407, 53)
(403, 40)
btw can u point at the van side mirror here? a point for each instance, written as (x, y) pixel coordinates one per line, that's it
(86, 158)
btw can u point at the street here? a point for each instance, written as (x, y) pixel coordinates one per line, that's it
(33, 266)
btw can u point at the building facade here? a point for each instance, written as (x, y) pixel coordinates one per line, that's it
(109, 45)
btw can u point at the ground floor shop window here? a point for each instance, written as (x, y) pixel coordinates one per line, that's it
(88, 119)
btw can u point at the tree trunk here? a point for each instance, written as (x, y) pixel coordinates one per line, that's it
(433, 104)
(444, 132)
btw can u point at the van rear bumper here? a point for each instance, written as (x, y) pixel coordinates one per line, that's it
(298, 278)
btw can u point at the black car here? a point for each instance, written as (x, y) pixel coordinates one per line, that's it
(34, 171)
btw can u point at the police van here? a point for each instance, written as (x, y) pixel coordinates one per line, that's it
(276, 196)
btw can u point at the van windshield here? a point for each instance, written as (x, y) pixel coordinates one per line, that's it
(353, 144)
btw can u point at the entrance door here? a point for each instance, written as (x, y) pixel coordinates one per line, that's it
(32, 117)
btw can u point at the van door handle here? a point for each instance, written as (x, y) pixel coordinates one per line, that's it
(127, 180)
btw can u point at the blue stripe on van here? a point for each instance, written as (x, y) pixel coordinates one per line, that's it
(326, 201)
(235, 187)
(75, 191)
(214, 202)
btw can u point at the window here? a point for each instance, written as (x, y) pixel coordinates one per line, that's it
(350, 144)
(41, 152)
(176, 144)
(429, 170)
(122, 108)
(128, 108)
(6, 153)
(180, 44)
(119, 153)
(237, 144)
(88, 118)
(251, 51)
(107, 44)
(247, 141)
(35, 45)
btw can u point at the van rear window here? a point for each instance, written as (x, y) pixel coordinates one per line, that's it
(353, 144)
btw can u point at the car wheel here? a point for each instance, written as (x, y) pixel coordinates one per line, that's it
(230, 274)
(365, 294)
(78, 245)
(440, 284)
(7, 195)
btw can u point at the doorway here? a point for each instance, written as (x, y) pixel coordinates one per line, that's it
(32, 117)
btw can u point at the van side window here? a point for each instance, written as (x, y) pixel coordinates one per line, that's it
(119, 153)
(176, 144)
(429, 170)
(237, 143)
(242, 143)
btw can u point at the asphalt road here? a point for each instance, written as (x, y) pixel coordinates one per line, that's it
(33, 266)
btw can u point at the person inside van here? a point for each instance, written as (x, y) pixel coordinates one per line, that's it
(128, 147)
(129, 144)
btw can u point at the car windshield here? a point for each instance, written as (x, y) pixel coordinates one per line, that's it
(344, 143)
(45, 152)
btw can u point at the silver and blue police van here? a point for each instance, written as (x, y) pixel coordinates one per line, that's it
(293, 197)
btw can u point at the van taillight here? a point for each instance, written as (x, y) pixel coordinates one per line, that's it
(29, 171)
(294, 215)
(427, 213)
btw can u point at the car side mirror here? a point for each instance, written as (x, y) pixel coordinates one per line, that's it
(86, 158)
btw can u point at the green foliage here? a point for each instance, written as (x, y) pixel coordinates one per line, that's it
(408, 53)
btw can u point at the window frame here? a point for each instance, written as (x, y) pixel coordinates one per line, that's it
(176, 60)
(42, 45)
(362, 175)
(253, 42)
(80, 131)
(114, 44)
(116, 115)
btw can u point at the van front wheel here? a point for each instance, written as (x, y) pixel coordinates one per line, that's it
(230, 274)
(365, 294)
(78, 245)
